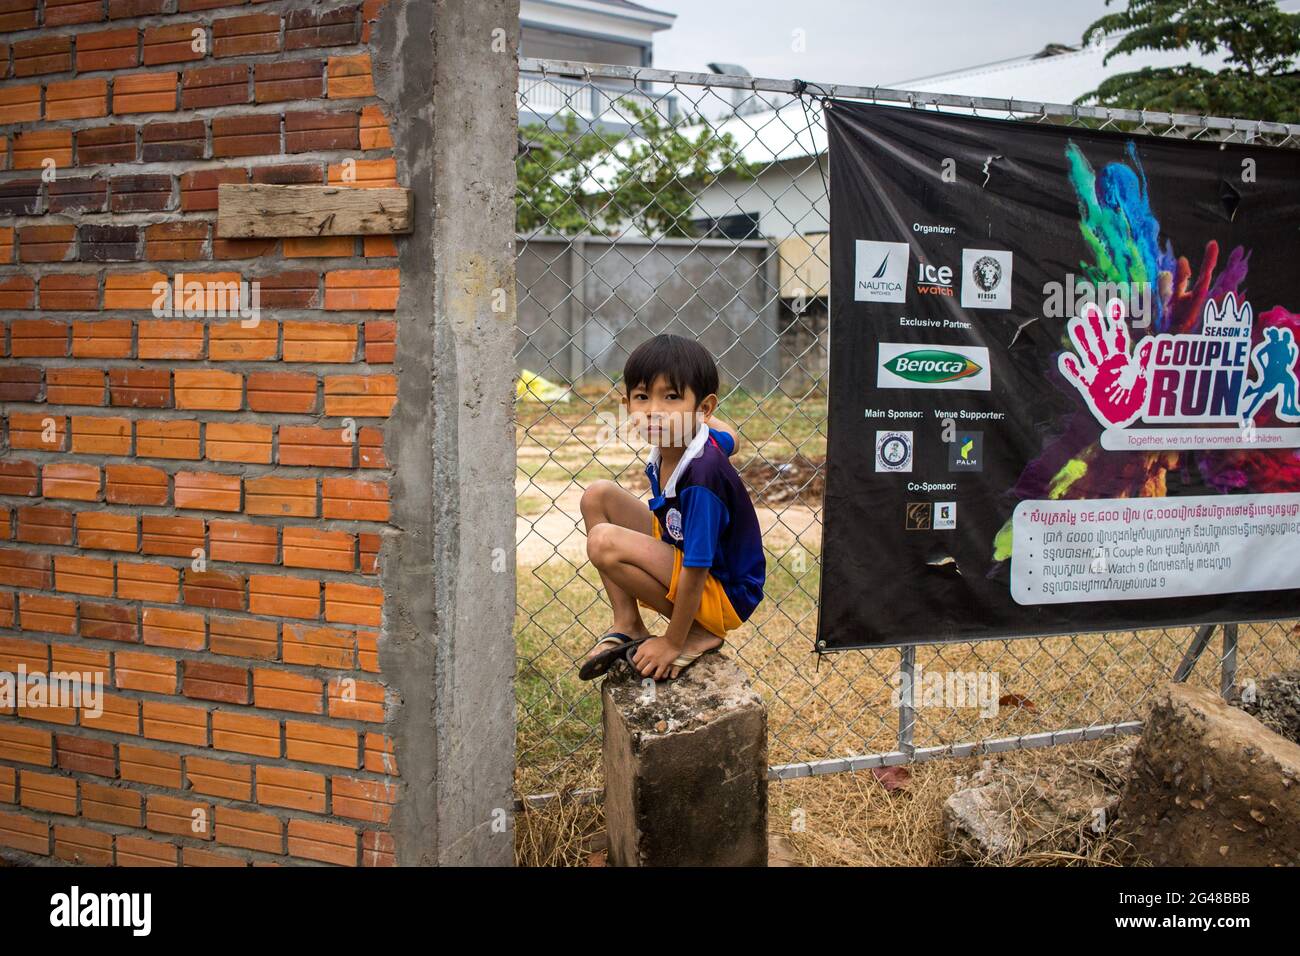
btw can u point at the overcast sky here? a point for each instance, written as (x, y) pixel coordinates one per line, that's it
(866, 42)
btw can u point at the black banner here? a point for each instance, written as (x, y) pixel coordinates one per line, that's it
(1063, 391)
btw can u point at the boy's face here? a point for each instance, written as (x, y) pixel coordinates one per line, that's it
(665, 416)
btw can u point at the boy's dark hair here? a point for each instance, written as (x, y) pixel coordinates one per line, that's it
(684, 362)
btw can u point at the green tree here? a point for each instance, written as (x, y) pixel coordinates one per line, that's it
(1259, 41)
(572, 181)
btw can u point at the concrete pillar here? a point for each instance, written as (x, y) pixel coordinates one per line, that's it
(447, 69)
(685, 768)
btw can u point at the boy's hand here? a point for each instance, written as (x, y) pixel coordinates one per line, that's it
(655, 657)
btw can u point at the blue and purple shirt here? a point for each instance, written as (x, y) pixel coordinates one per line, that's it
(704, 511)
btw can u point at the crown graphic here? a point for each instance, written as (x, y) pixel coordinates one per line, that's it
(1228, 314)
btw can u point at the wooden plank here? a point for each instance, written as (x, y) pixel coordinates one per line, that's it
(253, 211)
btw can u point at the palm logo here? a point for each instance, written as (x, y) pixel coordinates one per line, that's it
(1113, 382)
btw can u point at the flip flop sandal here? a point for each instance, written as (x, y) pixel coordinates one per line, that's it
(594, 667)
(684, 661)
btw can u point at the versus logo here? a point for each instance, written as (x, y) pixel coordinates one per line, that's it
(880, 271)
(964, 367)
(1196, 378)
(986, 279)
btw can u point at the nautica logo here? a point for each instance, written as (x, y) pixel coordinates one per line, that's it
(884, 263)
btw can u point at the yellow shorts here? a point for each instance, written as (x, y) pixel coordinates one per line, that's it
(716, 615)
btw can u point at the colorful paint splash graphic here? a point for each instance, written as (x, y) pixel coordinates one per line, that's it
(1122, 236)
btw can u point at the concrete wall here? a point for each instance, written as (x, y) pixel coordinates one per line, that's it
(252, 535)
(722, 292)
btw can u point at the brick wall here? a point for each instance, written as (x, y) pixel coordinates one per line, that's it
(189, 506)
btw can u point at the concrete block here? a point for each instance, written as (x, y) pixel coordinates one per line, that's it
(1211, 786)
(685, 768)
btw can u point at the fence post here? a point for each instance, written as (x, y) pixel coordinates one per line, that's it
(452, 78)
(1228, 676)
(577, 308)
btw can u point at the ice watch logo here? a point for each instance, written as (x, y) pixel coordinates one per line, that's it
(957, 367)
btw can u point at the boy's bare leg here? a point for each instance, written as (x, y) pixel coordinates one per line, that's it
(604, 502)
(642, 568)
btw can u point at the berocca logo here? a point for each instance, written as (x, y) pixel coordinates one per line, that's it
(929, 365)
(956, 367)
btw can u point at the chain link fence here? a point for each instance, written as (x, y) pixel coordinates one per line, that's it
(652, 201)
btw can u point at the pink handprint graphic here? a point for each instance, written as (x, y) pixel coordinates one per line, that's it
(1113, 382)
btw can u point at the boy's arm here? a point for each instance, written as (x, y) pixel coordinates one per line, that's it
(655, 657)
(720, 425)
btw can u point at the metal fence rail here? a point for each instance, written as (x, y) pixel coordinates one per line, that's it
(697, 204)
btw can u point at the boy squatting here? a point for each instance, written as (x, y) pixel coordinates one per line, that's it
(697, 557)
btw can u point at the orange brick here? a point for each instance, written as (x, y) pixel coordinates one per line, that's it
(284, 597)
(176, 723)
(76, 99)
(368, 800)
(111, 805)
(26, 745)
(160, 768)
(381, 341)
(71, 482)
(145, 672)
(319, 247)
(243, 637)
(252, 831)
(48, 793)
(208, 389)
(280, 496)
(364, 173)
(180, 239)
(42, 612)
(182, 630)
(207, 491)
(349, 76)
(234, 342)
(120, 715)
(194, 856)
(351, 699)
(241, 443)
(107, 50)
(44, 54)
(173, 43)
(306, 445)
(167, 439)
(319, 342)
(109, 622)
(242, 542)
(81, 755)
(23, 833)
(83, 575)
(191, 818)
(46, 243)
(379, 754)
(326, 550)
(105, 531)
(319, 646)
(146, 582)
(60, 13)
(245, 734)
(178, 537)
(221, 778)
(144, 93)
(20, 104)
(35, 338)
(361, 396)
(32, 148)
(321, 744)
(92, 435)
(378, 849)
(83, 845)
(74, 386)
(353, 603)
(327, 842)
(39, 431)
(107, 339)
(211, 589)
(139, 851)
(7, 232)
(24, 569)
(281, 392)
(134, 290)
(283, 690)
(374, 289)
(375, 133)
(160, 339)
(295, 789)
